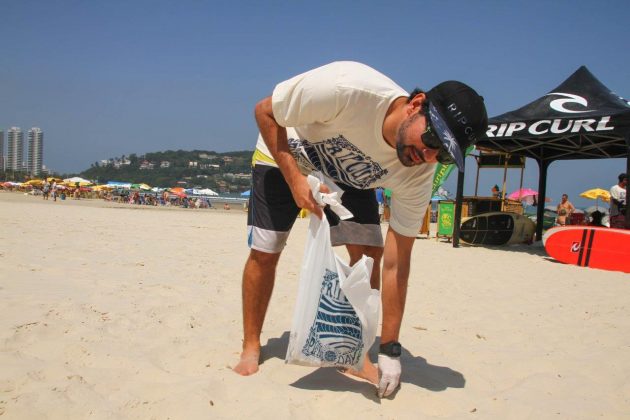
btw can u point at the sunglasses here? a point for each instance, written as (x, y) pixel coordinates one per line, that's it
(432, 141)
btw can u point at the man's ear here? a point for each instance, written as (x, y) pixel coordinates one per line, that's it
(416, 103)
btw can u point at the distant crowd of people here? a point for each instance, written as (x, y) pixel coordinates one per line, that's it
(617, 214)
(51, 189)
(157, 199)
(164, 198)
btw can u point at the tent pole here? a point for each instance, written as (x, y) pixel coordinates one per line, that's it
(477, 180)
(520, 187)
(507, 158)
(543, 165)
(458, 208)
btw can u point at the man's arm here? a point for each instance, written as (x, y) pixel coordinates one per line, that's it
(396, 263)
(275, 137)
(396, 266)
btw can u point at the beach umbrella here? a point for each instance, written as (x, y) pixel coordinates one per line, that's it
(527, 195)
(178, 191)
(73, 181)
(596, 194)
(205, 191)
(144, 187)
(118, 184)
(440, 194)
(522, 193)
(10, 184)
(35, 182)
(102, 187)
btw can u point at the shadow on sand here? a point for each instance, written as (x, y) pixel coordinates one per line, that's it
(416, 371)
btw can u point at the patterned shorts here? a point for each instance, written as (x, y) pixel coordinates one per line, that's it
(272, 212)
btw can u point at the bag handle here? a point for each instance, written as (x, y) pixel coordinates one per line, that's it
(315, 180)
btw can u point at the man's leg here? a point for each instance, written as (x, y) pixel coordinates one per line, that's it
(270, 216)
(361, 235)
(258, 280)
(356, 252)
(376, 253)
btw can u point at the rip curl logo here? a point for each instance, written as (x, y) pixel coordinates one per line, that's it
(338, 159)
(336, 335)
(568, 98)
(575, 247)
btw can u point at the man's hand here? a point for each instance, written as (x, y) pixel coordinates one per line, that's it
(389, 374)
(303, 196)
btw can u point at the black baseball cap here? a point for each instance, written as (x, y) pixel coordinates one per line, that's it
(622, 176)
(459, 117)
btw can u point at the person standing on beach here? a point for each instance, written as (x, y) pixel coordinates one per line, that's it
(53, 190)
(46, 189)
(564, 209)
(618, 202)
(362, 130)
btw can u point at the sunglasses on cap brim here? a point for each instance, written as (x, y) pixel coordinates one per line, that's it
(432, 141)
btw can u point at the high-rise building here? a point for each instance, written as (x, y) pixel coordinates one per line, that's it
(1, 150)
(35, 151)
(15, 149)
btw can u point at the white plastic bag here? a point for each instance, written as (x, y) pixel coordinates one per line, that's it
(336, 313)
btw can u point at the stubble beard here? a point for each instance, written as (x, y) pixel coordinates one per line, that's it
(401, 147)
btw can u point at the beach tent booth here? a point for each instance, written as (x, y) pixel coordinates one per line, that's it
(580, 119)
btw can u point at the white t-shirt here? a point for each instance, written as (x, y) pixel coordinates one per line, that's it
(618, 194)
(334, 117)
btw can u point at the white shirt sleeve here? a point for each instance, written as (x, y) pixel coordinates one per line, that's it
(410, 201)
(406, 220)
(307, 98)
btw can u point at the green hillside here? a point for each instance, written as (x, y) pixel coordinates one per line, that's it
(223, 172)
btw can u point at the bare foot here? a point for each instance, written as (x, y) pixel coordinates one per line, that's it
(248, 365)
(369, 372)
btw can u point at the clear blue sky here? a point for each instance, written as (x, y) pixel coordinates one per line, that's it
(107, 78)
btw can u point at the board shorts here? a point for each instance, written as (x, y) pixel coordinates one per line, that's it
(272, 212)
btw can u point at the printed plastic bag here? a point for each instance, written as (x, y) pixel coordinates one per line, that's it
(336, 313)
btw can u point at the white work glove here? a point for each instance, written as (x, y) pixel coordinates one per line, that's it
(389, 374)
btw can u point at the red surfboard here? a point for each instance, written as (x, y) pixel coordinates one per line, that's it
(590, 246)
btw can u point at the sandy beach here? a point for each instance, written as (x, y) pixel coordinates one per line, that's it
(111, 311)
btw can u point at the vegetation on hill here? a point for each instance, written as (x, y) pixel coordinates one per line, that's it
(223, 172)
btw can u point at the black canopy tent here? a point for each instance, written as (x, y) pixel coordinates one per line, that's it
(580, 119)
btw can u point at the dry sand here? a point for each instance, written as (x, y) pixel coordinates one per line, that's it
(123, 312)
